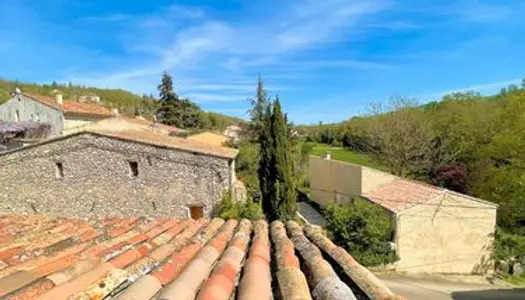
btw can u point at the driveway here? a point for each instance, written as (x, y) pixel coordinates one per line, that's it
(414, 288)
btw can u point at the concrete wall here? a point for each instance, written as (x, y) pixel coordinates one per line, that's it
(333, 181)
(97, 179)
(31, 110)
(210, 138)
(449, 234)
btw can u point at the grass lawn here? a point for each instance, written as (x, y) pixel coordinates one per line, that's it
(346, 155)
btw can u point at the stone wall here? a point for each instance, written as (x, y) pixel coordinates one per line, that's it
(97, 179)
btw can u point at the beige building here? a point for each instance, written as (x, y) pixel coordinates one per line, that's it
(211, 138)
(435, 230)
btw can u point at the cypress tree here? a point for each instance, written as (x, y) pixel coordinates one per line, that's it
(284, 184)
(266, 165)
(276, 166)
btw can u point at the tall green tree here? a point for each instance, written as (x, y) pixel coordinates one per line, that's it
(175, 111)
(266, 170)
(258, 110)
(284, 182)
(169, 110)
(276, 166)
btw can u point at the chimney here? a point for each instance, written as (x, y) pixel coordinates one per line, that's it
(115, 111)
(59, 99)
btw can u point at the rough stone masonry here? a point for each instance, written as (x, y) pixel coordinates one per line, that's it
(89, 174)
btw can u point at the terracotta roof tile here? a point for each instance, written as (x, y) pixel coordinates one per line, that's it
(73, 107)
(135, 259)
(401, 194)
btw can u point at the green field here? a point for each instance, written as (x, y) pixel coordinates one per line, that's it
(343, 154)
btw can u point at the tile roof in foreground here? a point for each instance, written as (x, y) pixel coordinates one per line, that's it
(138, 258)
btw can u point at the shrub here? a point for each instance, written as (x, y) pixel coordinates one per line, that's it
(363, 229)
(509, 248)
(230, 209)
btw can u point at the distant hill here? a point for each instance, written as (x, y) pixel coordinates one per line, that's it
(127, 102)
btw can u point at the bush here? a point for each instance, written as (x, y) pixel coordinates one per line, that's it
(230, 209)
(509, 248)
(363, 229)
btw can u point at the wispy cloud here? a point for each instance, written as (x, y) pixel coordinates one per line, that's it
(240, 47)
(481, 88)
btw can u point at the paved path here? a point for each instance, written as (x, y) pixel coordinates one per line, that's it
(311, 214)
(437, 289)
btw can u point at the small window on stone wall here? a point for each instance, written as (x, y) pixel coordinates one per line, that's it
(196, 212)
(133, 169)
(59, 173)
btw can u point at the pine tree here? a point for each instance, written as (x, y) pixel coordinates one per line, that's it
(168, 112)
(175, 111)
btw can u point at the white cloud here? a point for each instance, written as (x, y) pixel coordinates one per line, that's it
(484, 87)
(199, 45)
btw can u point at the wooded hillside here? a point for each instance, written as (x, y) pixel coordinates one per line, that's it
(465, 142)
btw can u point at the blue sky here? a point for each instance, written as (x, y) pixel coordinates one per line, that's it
(327, 60)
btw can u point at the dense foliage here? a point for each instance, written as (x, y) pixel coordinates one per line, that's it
(128, 103)
(466, 142)
(276, 165)
(230, 209)
(362, 228)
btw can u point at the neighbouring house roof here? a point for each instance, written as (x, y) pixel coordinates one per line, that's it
(74, 107)
(149, 138)
(400, 194)
(211, 138)
(138, 258)
(122, 123)
(171, 129)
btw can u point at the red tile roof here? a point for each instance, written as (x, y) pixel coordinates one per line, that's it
(130, 258)
(400, 194)
(74, 107)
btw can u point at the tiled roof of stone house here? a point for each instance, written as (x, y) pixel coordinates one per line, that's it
(150, 138)
(140, 258)
(172, 129)
(401, 194)
(90, 109)
(153, 138)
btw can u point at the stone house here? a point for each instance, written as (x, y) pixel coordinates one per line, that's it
(126, 173)
(434, 230)
(61, 115)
